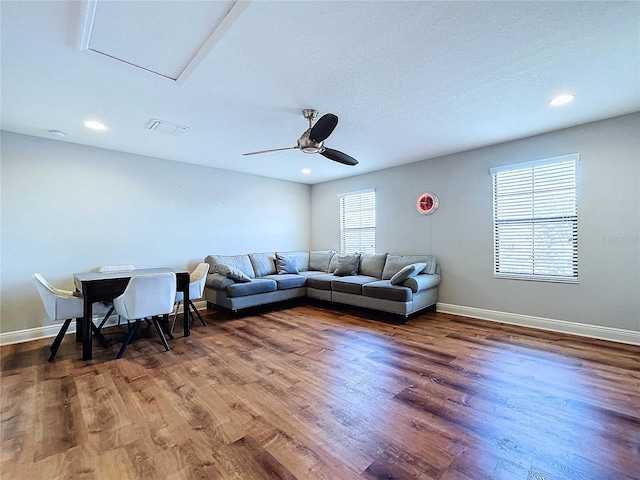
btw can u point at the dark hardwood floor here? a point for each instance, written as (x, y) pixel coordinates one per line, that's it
(315, 393)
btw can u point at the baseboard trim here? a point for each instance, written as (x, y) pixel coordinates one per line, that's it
(561, 326)
(48, 331)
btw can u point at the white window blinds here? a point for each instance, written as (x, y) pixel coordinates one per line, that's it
(535, 220)
(358, 222)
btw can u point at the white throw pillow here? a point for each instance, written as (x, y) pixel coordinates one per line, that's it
(407, 272)
(233, 273)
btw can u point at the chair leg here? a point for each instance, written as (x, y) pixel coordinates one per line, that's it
(106, 317)
(175, 316)
(165, 325)
(129, 337)
(58, 340)
(195, 310)
(96, 331)
(161, 334)
(128, 322)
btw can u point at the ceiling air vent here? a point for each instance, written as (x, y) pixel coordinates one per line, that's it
(168, 128)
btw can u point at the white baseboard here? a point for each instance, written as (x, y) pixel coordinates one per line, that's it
(19, 336)
(561, 326)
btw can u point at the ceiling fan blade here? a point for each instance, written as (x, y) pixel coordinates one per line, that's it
(267, 151)
(323, 127)
(339, 157)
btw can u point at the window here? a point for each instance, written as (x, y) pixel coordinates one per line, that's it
(358, 222)
(535, 220)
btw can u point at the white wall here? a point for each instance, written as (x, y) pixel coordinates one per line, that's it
(68, 208)
(460, 232)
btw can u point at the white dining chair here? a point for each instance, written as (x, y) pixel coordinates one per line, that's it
(65, 305)
(197, 279)
(110, 269)
(146, 296)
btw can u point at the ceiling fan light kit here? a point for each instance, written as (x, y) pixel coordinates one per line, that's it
(309, 146)
(312, 140)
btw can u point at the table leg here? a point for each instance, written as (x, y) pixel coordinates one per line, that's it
(186, 315)
(87, 353)
(79, 324)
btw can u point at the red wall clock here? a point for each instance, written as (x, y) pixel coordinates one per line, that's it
(427, 203)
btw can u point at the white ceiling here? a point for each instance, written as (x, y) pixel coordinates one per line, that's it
(408, 80)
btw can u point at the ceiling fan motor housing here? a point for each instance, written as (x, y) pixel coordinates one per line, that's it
(309, 146)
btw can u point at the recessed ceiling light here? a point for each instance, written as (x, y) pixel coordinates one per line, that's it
(562, 99)
(95, 125)
(306, 171)
(56, 133)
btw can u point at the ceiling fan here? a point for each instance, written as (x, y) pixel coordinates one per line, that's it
(312, 140)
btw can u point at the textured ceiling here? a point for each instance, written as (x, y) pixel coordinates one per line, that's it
(408, 80)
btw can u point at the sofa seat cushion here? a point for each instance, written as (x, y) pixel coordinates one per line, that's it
(352, 284)
(384, 290)
(287, 280)
(256, 285)
(311, 273)
(321, 282)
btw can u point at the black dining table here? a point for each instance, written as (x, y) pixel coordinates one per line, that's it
(105, 286)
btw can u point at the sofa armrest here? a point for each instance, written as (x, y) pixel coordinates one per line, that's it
(218, 282)
(422, 282)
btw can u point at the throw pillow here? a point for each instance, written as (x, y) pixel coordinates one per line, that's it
(407, 272)
(233, 273)
(347, 265)
(333, 264)
(285, 264)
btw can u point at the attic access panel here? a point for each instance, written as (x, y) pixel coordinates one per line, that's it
(162, 37)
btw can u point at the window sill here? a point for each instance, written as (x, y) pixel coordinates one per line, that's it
(535, 278)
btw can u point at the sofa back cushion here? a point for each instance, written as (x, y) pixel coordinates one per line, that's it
(372, 264)
(319, 260)
(263, 263)
(395, 263)
(347, 265)
(241, 262)
(302, 259)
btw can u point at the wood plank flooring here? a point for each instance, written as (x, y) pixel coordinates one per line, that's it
(310, 392)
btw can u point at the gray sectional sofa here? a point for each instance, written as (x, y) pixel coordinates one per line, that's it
(236, 282)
